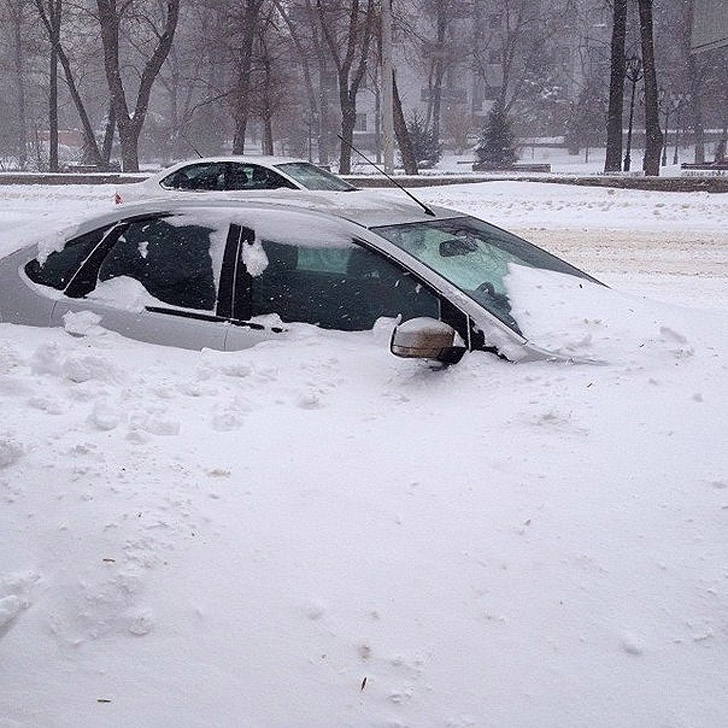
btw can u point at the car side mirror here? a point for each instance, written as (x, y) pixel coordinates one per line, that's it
(427, 338)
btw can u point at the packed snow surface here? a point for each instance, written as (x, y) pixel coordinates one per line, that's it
(316, 533)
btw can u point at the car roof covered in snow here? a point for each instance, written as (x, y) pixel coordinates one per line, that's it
(361, 207)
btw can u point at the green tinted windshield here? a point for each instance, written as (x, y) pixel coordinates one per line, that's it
(474, 256)
(313, 177)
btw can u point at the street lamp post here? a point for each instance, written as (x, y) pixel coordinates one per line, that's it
(677, 106)
(633, 72)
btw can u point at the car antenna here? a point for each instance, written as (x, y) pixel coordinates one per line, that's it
(194, 148)
(428, 210)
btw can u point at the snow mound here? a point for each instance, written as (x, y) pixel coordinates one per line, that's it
(14, 590)
(574, 317)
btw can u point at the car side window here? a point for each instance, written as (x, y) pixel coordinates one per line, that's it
(253, 177)
(336, 287)
(172, 262)
(57, 269)
(208, 176)
(237, 176)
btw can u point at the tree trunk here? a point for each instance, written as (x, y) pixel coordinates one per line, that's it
(613, 160)
(654, 137)
(18, 63)
(267, 134)
(348, 122)
(108, 142)
(439, 70)
(323, 132)
(266, 112)
(241, 103)
(128, 141)
(55, 38)
(400, 130)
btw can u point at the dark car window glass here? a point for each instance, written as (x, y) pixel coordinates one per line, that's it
(475, 257)
(172, 262)
(59, 267)
(254, 177)
(207, 176)
(314, 178)
(345, 288)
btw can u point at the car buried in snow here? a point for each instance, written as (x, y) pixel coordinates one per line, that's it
(232, 174)
(229, 273)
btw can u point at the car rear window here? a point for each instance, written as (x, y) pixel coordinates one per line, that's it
(60, 266)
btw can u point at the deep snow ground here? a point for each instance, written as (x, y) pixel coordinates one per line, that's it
(315, 533)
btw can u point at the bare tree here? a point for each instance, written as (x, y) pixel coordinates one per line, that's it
(316, 115)
(310, 43)
(270, 90)
(442, 55)
(247, 24)
(51, 16)
(198, 80)
(111, 14)
(516, 33)
(16, 16)
(654, 138)
(348, 34)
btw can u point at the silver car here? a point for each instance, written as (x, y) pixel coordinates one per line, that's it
(226, 274)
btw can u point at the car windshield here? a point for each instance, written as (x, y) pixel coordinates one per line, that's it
(475, 257)
(313, 177)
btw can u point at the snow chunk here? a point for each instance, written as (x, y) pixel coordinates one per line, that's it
(14, 589)
(155, 424)
(124, 293)
(632, 645)
(104, 417)
(10, 451)
(254, 257)
(82, 323)
(86, 368)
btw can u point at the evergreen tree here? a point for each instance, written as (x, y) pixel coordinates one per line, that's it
(496, 147)
(426, 147)
(585, 125)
